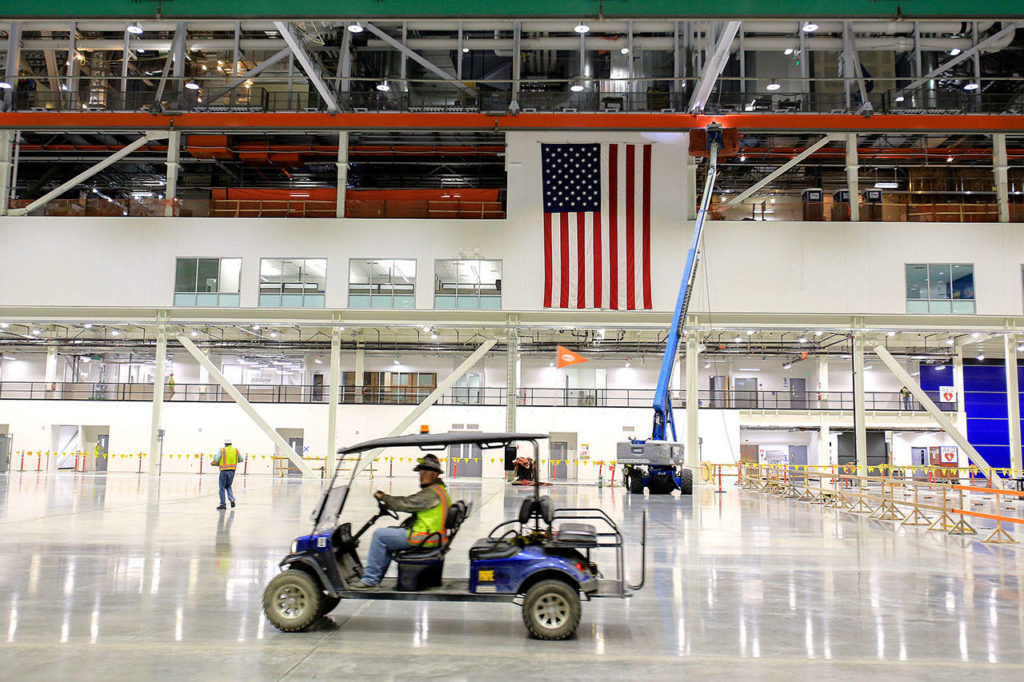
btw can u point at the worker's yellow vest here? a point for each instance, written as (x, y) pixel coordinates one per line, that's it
(228, 458)
(431, 520)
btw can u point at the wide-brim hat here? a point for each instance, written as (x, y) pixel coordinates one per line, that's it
(428, 463)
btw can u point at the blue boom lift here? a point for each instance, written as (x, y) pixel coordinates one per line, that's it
(657, 463)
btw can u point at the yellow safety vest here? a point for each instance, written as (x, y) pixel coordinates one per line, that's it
(228, 458)
(431, 520)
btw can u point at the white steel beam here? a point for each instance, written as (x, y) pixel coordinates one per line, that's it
(713, 67)
(963, 56)
(173, 166)
(332, 401)
(7, 137)
(89, 172)
(1000, 167)
(419, 59)
(252, 73)
(246, 406)
(1012, 401)
(339, 209)
(852, 69)
(853, 176)
(511, 378)
(158, 401)
(860, 432)
(943, 421)
(308, 65)
(782, 169)
(13, 62)
(441, 389)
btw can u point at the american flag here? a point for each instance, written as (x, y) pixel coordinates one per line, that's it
(597, 226)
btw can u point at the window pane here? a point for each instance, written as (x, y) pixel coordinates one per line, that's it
(230, 274)
(917, 281)
(209, 269)
(291, 270)
(938, 282)
(490, 277)
(185, 275)
(380, 271)
(270, 276)
(963, 281)
(358, 271)
(316, 275)
(405, 273)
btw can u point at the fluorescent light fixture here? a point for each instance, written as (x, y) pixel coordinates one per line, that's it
(1020, 348)
(887, 185)
(192, 85)
(939, 368)
(749, 369)
(971, 87)
(355, 27)
(773, 86)
(955, 51)
(810, 27)
(135, 28)
(87, 325)
(582, 28)
(256, 327)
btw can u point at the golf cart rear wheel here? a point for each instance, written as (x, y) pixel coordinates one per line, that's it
(551, 610)
(292, 601)
(686, 478)
(636, 482)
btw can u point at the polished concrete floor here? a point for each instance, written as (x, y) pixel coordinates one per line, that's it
(114, 577)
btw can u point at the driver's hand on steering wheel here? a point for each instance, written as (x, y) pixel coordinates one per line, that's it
(379, 494)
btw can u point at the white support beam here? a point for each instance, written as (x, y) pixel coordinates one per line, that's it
(339, 209)
(860, 432)
(7, 137)
(782, 169)
(958, 437)
(511, 378)
(343, 74)
(252, 73)
(691, 453)
(441, 389)
(89, 172)
(173, 166)
(419, 59)
(332, 401)
(360, 368)
(1012, 401)
(853, 176)
(158, 401)
(1000, 167)
(713, 68)
(963, 56)
(230, 389)
(824, 439)
(310, 67)
(13, 62)
(853, 70)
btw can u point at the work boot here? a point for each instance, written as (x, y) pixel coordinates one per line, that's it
(360, 585)
(221, 506)
(232, 504)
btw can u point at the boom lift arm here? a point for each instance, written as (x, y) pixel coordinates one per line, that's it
(662, 403)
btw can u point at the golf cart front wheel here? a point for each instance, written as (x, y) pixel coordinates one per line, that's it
(551, 610)
(292, 601)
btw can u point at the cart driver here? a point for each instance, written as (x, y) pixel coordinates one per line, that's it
(424, 528)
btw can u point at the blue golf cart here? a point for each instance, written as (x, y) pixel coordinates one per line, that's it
(541, 560)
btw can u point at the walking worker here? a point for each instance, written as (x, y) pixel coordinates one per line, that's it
(227, 459)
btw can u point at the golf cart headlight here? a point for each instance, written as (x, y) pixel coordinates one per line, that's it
(295, 546)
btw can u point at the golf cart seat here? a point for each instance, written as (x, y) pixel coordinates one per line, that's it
(421, 567)
(576, 534)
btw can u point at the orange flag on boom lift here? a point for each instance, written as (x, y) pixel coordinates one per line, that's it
(566, 357)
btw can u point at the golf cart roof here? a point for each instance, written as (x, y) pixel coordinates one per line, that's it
(437, 441)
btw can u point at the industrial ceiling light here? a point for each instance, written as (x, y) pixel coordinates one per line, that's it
(955, 51)
(750, 332)
(135, 28)
(87, 325)
(1020, 348)
(465, 50)
(810, 27)
(773, 86)
(5, 85)
(802, 339)
(737, 339)
(355, 27)
(624, 50)
(383, 86)
(273, 335)
(576, 87)
(899, 98)
(970, 87)
(426, 328)
(434, 336)
(887, 185)
(788, 51)
(194, 333)
(950, 341)
(115, 332)
(949, 159)
(397, 361)
(818, 333)
(981, 356)
(891, 334)
(707, 365)
(256, 327)
(36, 331)
(192, 85)
(582, 28)
(788, 365)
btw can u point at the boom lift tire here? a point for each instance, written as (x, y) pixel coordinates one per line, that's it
(636, 483)
(661, 484)
(292, 601)
(686, 478)
(551, 610)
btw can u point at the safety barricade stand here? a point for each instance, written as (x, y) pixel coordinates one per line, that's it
(999, 535)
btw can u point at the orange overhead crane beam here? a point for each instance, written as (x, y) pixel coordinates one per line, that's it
(252, 122)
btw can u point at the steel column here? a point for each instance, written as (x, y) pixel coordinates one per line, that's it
(173, 166)
(332, 401)
(1012, 400)
(853, 176)
(517, 65)
(958, 387)
(342, 181)
(230, 389)
(158, 401)
(999, 169)
(859, 416)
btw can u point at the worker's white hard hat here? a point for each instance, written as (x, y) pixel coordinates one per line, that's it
(227, 441)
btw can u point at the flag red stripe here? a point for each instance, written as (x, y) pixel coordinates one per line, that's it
(630, 226)
(547, 260)
(597, 259)
(581, 261)
(563, 298)
(646, 208)
(613, 226)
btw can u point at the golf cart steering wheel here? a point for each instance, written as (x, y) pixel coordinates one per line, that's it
(384, 511)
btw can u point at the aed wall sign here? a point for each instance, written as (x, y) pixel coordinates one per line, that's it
(947, 394)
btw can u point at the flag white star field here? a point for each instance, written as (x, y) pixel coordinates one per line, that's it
(597, 226)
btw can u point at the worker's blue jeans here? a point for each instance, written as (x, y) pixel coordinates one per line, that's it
(227, 477)
(385, 541)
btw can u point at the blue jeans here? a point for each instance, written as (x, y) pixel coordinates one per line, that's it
(385, 541)
(227, 477)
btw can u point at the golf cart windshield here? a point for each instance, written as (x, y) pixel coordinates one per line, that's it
(332, 499)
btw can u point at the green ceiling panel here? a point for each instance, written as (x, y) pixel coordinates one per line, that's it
(519, 8)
